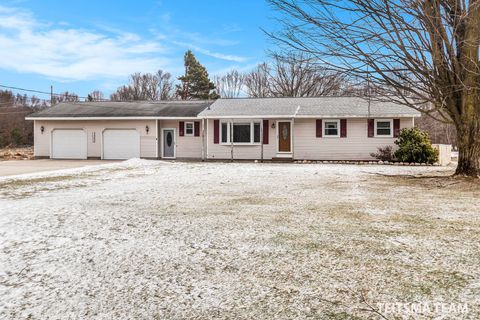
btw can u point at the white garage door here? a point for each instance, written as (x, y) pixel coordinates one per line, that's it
(69, 144)
(121, 144)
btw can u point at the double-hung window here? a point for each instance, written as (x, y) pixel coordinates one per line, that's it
(189, 128)
(383, 128)
(241, 132)
(331, 128)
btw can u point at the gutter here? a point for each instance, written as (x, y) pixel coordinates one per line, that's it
(111, 118)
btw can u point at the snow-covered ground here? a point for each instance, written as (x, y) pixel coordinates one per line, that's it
(160, 240)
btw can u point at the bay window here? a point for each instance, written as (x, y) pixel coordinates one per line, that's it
(241, 132)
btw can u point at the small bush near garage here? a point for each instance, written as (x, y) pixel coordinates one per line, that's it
(384, 154)
(414, 145)
(16, 136)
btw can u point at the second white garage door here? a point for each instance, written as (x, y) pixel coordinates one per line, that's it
(121, 144)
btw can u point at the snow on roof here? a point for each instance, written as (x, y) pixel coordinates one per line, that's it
(348, 107)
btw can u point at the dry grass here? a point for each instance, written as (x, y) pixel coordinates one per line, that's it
(243, 241)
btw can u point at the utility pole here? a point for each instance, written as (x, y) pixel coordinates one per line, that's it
(51, 96)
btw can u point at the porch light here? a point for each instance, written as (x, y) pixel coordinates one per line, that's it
(42, 129)
(147, 128)
(273, 125)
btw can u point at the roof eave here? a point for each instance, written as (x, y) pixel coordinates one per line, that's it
(309, 116)
(110, 118)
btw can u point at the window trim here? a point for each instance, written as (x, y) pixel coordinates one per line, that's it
(325, 128)
(375, 133)
(229, 131)
(193, 129)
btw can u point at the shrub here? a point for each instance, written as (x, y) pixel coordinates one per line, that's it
(415, 146)
(3, 143)
(16, 136)
(384, 154)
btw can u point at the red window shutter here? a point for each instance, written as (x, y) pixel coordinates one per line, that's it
(319, 128)
(181, 129)
(196, 128)
(343, 128)
(216, 131)
(371, 128)
(265, 131)
(396, 127)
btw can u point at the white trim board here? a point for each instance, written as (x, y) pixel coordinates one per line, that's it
(110, 118)
(228, 117)
(375, 135)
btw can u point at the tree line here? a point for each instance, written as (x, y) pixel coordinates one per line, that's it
(284, 76)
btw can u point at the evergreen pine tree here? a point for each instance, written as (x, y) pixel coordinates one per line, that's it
(195, 83)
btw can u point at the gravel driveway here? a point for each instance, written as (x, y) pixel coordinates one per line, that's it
(163, 240)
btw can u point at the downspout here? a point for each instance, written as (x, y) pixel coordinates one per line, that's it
(158, 140)
(293, 136)
(261, 140)
(231, 140)
(293, 130)
(203, 139)
(34, 136)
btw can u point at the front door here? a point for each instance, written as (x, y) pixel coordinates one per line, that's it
(168, 143)
(284, 136)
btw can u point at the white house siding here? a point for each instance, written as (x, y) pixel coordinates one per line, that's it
(188, 147)
(148, 142)
(241, 152)
(356, 146)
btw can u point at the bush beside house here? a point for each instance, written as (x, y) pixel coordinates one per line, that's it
(414, 146)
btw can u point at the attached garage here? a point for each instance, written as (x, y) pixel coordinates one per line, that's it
(119, 144)
(118, 130)
(69, 144)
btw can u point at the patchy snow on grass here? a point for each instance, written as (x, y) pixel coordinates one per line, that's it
(163, 240)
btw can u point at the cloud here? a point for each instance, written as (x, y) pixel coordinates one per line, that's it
(226, 57)
(63, 52)
(30, 46)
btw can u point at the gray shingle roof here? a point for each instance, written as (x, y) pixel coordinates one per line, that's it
(333, 107)
(305, 107)
(136, 109)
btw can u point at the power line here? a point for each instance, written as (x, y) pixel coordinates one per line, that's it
(47, 93)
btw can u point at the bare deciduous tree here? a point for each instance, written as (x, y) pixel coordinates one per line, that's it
(437, 131)
(423, 54)
(95, 95)
(14, 129)
(165, 85)
(65, 97)
(293, 75)
(298, 76)
(149, 87)
(257, 83)
(230, 85)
